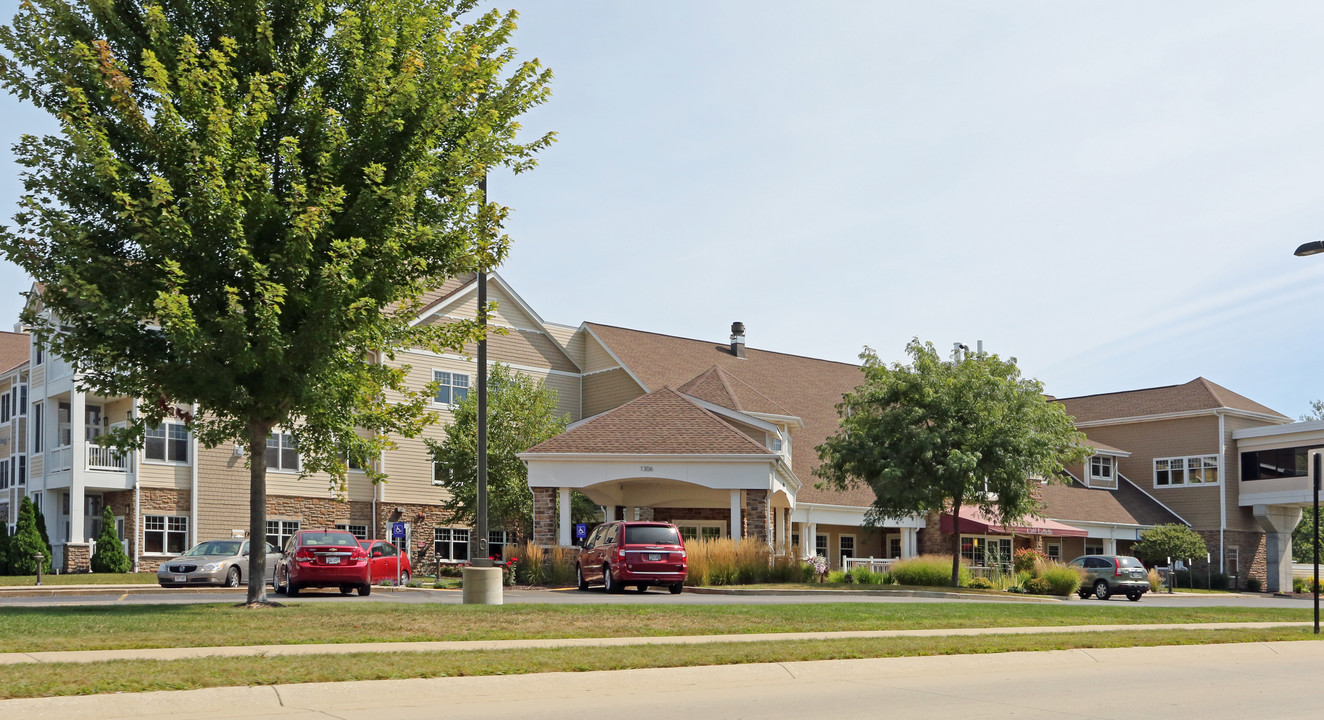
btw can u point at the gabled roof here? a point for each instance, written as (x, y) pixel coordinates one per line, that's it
(1197, 395)
(437, 296)
(808, 388)
(14, 349)
(720, 387)
(1127, 505)
(663, 422)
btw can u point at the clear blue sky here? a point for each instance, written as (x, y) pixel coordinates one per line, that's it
(1110, 192)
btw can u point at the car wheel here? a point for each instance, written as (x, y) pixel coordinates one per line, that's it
(404, 579)
(641, 588)
(579, 577)
(346, 589)
(677, 588)
(232, 577)
(1084, 594)
(365, 590)
(1133, 597)
(275, 583)
(609, 583)
(1101, 590)
(291, 589)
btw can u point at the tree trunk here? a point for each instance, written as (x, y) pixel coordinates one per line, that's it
(956, 542)
(257, 512)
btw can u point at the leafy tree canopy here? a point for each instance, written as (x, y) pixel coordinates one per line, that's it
(521, 412)
(248, 199)
(1175, 541)
(934, 436)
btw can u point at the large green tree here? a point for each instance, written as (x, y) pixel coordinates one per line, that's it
(1173, 541)
(247, 201)
(936, 436)
(521, 412)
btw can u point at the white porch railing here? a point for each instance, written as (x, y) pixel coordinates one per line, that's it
(60, 458)
(872, 563)
(57, 368)
(106, 459)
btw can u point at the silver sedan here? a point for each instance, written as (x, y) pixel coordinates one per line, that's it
(215, 563)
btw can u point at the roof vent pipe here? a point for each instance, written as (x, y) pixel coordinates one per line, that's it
(738, 339)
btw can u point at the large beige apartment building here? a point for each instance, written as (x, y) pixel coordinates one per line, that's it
(714, 436)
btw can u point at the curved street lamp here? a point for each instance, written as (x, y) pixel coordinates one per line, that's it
(1314, 248)
(1311, 248)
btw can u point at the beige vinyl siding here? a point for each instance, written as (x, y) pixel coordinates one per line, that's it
(223, 484)
(567, 389)
(596, 357)
(164, 475)
(507, 312)
(606, 390)
(35, 465)
(566, 336)
(36, 378)
(1181, 437)
(409, 470)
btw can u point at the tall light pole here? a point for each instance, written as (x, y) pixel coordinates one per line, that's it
(1316, 468)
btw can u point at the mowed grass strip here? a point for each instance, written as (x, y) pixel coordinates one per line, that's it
(45, 680)
(161, 626)
(80, 579)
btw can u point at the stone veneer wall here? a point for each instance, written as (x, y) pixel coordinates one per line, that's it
(77, 558)
(755, 516)
(155, 501)
(423, 520)
(544, 516)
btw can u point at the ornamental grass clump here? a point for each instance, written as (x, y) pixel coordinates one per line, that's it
(531, 568)
(722, 561)
(861, 575)
(929, 570)
(1056, 578)
(561, 568)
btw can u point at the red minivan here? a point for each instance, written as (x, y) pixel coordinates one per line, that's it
(633, 553)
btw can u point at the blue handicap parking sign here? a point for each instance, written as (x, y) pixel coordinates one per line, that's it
(581, 530)
(397, 529)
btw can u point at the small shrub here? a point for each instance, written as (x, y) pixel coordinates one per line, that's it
(1037, 586)
(1155, 580)
(980, 583)
(930, 570)
(838, 577)
(864, 576)
(453, 570)
(1299, 585)
(1025, 558)
(1253, 585)
(1060, 579)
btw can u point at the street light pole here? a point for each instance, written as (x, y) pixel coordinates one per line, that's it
(481, 521)
(1314, 247)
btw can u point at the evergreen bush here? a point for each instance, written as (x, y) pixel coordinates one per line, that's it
(109, 556)
(26, 542)
(49, 552)
(980, 583)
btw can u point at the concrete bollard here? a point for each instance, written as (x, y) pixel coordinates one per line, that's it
(482, 586)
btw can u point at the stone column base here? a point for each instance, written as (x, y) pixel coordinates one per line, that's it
(482, 585)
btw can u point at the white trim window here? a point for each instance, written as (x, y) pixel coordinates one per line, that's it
(497, 541)
(846, 546)
(280, 532)
(1093, 546)
(168, 443)
(1191, 470)
(821, 546)
(165, 534)
(451, 544)
(282, 452)
(4, 406)
(358, 531)
(452, 387)
(37, 424)
(701, 529)
(1103, 471)
(439, 475)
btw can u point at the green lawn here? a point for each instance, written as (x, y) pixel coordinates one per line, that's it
(81, 579)
(147, 626)
(41, 680)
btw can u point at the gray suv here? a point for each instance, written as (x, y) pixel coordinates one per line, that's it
(1107, 575)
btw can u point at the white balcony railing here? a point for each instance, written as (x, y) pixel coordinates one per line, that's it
(106, 459)
(57, 368)
(58, 459)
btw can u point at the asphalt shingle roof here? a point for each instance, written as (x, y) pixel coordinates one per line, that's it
(1127, 505)
(1198, 394)
(14, 349)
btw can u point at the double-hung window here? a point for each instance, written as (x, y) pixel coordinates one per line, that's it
(451, 387)
(451, 544)
(282, 452)
(167, 442)
(280, 532)
(38, 429)
(4, 407)
(1194, 470)
(358, 531)
(1102, 471)
(497, 540)
(165, 534)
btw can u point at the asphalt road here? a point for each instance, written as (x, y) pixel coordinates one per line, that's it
(595, 596)
(1211, 682)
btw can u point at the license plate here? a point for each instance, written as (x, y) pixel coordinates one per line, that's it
(181, 578)
(333, 560)
(653, 557)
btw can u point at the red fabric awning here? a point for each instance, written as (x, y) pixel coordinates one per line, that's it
(974, 521)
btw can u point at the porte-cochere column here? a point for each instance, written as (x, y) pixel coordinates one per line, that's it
(544, 516)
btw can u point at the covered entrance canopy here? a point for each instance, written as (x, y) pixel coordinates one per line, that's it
(975, 522)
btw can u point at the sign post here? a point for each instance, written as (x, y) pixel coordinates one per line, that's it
(398, 538)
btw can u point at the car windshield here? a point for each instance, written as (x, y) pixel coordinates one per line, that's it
(1129, 562)
(340, 539)
(651, 535)
(215, 547)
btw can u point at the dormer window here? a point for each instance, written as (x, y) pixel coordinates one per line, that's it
(776, 445)
(1103, 471)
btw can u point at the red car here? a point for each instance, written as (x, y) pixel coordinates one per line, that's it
(633, 553)
(384, 557)
(323, 558)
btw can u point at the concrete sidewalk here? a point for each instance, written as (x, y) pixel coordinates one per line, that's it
(86, 656)
(1212, 682)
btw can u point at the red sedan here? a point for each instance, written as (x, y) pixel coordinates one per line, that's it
(384, 559)
(323, 558)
